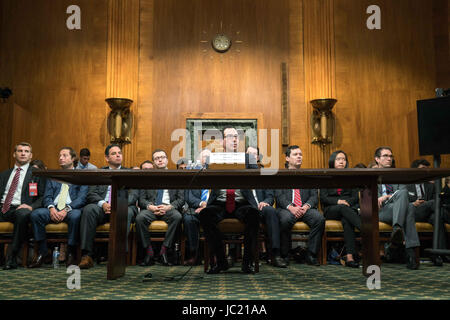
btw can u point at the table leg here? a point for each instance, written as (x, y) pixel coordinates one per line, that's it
(369, 226)
(117, 233)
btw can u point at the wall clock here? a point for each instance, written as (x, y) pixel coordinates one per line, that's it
(221, 43)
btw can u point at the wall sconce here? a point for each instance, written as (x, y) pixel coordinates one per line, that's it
(322, 121)
(120, 120)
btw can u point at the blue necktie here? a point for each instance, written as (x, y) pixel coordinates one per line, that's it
(389, 188)
(159, 197)
(204, 195)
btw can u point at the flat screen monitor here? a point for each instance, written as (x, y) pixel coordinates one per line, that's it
(433, 116)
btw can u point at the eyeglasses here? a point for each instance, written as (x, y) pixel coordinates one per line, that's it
(387, 156)
(160, 158)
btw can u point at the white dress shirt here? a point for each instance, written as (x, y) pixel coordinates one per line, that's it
(17, 198)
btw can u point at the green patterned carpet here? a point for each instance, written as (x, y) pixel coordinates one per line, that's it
(299, 281)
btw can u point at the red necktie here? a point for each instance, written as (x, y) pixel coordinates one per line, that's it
(297, 198)
(230, 203)
(12, 190)
(339, 191)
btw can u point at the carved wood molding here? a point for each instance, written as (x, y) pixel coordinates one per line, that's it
(320, 65)
(123, 57)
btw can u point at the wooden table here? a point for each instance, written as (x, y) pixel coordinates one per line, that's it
(366, 179)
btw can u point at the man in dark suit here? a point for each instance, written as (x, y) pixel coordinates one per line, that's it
(98, 208)
(263, 201)
(421, 196)
(62, 203)
(230, 203)
(159, 204)
(299, 205)
(20, 193)
(196, 200)
(395, 209)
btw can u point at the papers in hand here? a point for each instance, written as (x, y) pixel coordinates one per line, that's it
(227, 157)
(390, 199)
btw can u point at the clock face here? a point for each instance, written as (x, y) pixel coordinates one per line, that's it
(221, 43)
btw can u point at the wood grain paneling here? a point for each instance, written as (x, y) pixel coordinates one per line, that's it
(379, 76)
(158, 53)
(189, 76)
(143, 120)
(123, 60)
(58, 76)
(319, 62)
(299, 118)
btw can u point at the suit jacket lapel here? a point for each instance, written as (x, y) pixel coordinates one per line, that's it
(5, 177)
(248, 194)
(172, 193)
(26, 181)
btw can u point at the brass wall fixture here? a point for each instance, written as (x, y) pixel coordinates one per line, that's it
(322, 121)
(120, 120)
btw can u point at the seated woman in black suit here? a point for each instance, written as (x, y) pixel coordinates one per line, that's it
(342, 204)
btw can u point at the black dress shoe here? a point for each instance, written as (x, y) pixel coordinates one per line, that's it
(437, 260)
(11, 263)
(247, 268)
(38, 262)
(286, 260)
(279, 262)
(218, 268)
(411, 259)
(148, 261)
(312, 260)
(165, 260)
(397, 236)
(352, 264)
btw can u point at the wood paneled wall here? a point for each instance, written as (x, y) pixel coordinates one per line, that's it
(158, 53)
(57, 75)
(190, 77)
(379, 76)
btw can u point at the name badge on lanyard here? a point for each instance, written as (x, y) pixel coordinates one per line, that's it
(32, 186)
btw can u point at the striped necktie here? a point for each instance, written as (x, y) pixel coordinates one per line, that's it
(204, 196)
(389, 188)
(297, 198)
(12, 190)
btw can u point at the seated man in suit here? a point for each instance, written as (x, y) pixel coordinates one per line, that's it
(20, 193)
(299, 205)
(196, 201)
(159, 204)
(230, 203)
(263, 201)
(98, 208)
(62, 203)
(395, 209)
(421, 196)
